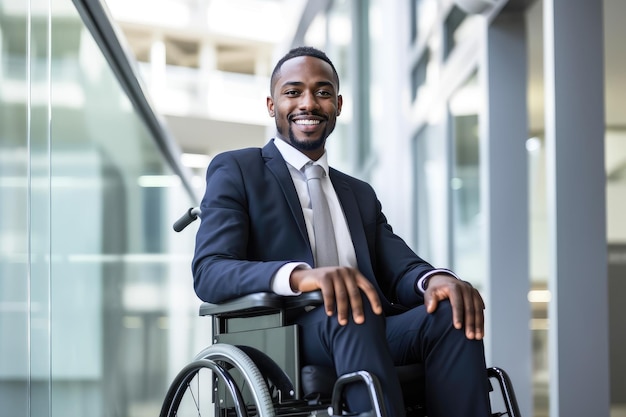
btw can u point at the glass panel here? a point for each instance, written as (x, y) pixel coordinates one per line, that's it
(459, 27)
(39, 187)
(14, 209)
(419, 75)
(615, 157)
(423, 15)
(539, 296)
(117, 278)
(452, 24)
(539, 265)
(430, 196)
(467, 243)
(90, 271)
(422, 204)
(375, 119)
(616, 234)
(339, 44)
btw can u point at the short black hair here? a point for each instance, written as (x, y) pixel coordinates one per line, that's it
(301, 51)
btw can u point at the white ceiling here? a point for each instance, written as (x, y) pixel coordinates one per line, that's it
(210, 137)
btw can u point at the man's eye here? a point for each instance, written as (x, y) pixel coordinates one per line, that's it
(324, 93)
(291, 93)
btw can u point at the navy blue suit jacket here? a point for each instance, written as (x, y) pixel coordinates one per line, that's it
(252, 224)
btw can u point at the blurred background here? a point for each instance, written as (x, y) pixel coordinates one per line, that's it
(493, 131)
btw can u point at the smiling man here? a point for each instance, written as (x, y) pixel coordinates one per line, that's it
(383, 304)
(304, 103)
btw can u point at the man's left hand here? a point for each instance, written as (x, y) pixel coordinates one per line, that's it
(467, 304)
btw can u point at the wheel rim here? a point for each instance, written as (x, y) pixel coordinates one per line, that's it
(222, 381)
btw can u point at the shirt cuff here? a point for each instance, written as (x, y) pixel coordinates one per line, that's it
(280, 281)
(422, 284)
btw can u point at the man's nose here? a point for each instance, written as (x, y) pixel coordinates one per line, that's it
(308, 101)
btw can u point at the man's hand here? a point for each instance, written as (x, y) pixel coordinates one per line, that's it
(467, 304)
(341, 289)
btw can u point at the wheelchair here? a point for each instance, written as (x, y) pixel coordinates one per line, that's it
(253, 367)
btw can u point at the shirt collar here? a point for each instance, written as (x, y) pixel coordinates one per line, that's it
(297, 159)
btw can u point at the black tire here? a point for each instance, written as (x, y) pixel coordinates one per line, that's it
(240, 390)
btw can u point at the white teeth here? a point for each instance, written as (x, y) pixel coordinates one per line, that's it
(307, 122)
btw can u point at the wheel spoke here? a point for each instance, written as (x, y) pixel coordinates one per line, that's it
(196, 401)
(240, 386)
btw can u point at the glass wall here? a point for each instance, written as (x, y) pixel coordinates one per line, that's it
(615, 162)
(468, 253)
(430, 195)
(615, 159)
(449, 220)
(339, 28)
(97, 309)
(15, 305)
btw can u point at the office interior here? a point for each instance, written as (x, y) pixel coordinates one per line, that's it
(493, 131)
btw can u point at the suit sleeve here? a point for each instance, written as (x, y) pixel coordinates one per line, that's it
(397, 266)
(221, 267)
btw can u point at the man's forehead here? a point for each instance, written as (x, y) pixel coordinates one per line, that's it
(301, 66)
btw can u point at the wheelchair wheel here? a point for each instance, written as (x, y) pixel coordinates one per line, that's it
(221, 381)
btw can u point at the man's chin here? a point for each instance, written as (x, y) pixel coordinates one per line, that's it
(307, 144)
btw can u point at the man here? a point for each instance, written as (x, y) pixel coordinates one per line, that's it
(383, 305)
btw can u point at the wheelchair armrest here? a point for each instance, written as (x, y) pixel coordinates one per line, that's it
(306, 299)
(247, 305)
(259, 304)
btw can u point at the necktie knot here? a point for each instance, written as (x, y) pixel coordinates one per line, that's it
(314, 171)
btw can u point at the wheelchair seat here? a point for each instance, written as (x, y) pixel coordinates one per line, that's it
(318, 385)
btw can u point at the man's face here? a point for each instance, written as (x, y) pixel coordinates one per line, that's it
(305, 104)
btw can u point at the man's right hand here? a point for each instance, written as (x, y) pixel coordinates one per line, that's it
(341, 289)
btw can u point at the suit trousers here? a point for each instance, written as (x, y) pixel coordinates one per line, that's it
(455, 372)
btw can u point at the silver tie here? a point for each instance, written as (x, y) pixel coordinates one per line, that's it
(325, 244)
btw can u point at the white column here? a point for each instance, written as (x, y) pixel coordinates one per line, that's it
(158, 82)
(574, 101)
(505, 199)
(206, 73)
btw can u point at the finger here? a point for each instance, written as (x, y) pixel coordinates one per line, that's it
(356, 301)
(341, 299)
(458, 307)
(432, 301)
(370, 292)
(479, 307)
(328, 295)
(469, 312)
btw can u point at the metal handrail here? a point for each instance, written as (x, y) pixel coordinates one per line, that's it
(99, 22)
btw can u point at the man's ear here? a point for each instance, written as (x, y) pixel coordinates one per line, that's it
(270, 106)
(339, 104)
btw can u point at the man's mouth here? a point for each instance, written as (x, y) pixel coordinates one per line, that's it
(307, 122)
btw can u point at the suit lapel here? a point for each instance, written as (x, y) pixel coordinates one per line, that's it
(350, 207)
(348, 202)
(277, 165)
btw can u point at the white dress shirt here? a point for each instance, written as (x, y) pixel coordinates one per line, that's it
(296, 161)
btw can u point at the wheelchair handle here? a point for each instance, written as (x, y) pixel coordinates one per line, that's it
(186, 219)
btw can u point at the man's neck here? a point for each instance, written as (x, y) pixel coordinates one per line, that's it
(295, 157)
